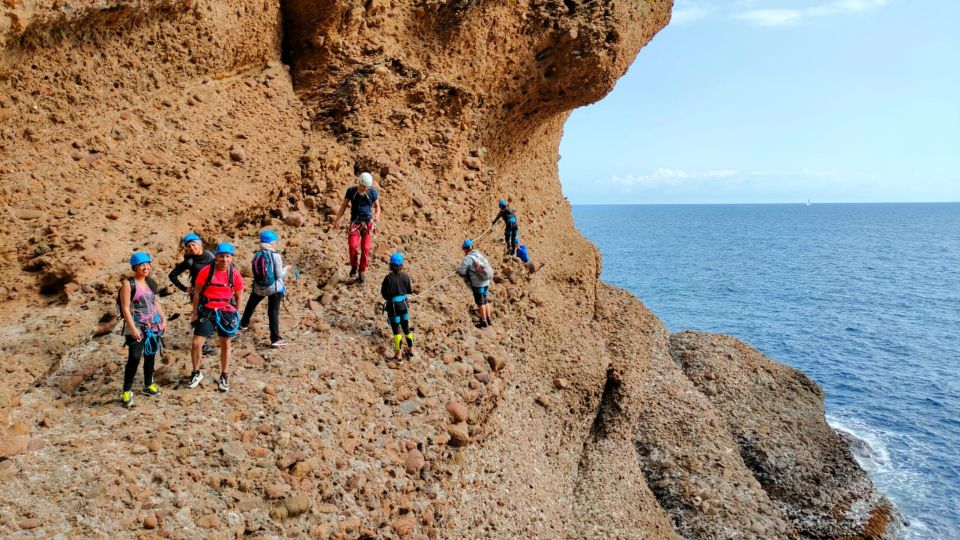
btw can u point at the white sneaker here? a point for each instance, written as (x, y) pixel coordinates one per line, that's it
(195, 379)
(223, 384)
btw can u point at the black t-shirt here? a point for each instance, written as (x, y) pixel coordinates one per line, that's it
(193, 263)
(361, 205)
(395, 284)
(508, 217)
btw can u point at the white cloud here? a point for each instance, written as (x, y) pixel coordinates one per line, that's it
(770, 17)
(666, 177)
(687, 15)
(761, 13)
(786, 16)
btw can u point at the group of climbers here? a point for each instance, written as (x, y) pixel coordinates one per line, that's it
(216, 288)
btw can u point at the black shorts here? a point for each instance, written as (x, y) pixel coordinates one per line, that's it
(481, 295)
(205, 325)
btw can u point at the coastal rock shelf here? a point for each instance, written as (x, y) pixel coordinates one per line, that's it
(125, 124)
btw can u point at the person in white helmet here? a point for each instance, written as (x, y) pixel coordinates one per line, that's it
(364, 204)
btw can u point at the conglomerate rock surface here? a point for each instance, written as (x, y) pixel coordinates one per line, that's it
(125, 124)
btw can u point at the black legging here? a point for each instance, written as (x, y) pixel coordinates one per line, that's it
(393, 314)
(510, 239)
(273, 313)
(134, 352)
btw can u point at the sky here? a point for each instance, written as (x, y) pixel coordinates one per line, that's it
(779, 101)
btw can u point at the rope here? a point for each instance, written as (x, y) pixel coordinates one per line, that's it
(217, 321)
(152, 342)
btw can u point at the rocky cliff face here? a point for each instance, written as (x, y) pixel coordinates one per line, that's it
(126, 123)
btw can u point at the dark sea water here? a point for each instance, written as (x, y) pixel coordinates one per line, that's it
(864, 298)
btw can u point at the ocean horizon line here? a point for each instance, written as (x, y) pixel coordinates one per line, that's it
(800, 203)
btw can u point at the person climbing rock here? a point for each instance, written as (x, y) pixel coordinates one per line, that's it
(195, 258)
(510, 226)
(524, 255)
(394, 290)
(215, 299)
(143, 325)
(364, 204)
(477, 272)
(268, 276)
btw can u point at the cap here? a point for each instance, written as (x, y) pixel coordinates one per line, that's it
(396, 259)
(467, 244)
(268, 236)
(225, 247)
(192, 237)
(139, 258)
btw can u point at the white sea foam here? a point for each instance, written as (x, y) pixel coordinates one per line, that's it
(868, 446)
(900, 482)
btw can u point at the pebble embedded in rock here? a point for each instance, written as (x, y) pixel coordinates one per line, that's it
(457, 410)
(474, 163)
(415, 461)
(459, 434)
(277, 490)
(31, 523)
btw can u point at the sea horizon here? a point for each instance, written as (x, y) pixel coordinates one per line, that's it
(800, 203)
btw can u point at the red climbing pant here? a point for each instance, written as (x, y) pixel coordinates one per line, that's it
(361, 236)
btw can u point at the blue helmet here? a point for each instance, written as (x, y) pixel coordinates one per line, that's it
(502, 203)
(467, 244)
(192, 237)
(268, 236)
(396, 259)
(139, 258)
(225, 247)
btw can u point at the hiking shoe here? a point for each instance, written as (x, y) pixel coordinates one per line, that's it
(195, 379)
(279, 343)
(207, 349)
(223, 384)
(152, 390)
(353, 271)
(359, 278)
(126, 398)
(410, 354)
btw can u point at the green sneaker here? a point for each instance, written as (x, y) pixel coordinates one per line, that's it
(152, 390)
(127, 398)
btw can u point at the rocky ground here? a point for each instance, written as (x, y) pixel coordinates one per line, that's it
(125, 124)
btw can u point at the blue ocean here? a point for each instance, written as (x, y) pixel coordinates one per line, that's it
(864, 298)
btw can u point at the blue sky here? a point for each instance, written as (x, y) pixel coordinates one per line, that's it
(770, 101)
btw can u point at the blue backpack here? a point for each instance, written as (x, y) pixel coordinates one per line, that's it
(264, 269)
(522, 253)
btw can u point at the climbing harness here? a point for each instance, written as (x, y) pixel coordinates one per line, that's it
(218, 321)
(152, 342)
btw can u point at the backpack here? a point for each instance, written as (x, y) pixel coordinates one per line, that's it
(522, 253)
(213, 268)
(133, 291)
(481, 267)
(264, 268)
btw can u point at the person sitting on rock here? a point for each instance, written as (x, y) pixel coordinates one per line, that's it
(268, 276)
(195, 258)
(143, 325)
(364, 204)
(215, 300)
(510, 226)
(477, 272)
(394, 290)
